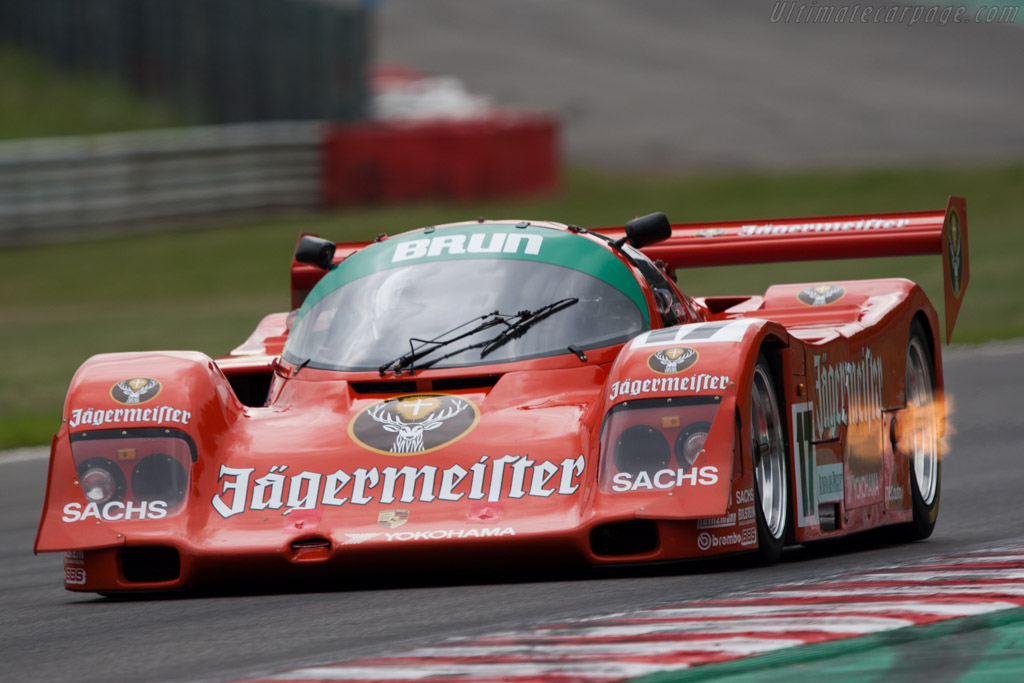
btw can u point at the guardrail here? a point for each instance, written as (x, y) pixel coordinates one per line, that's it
(49, 187)
(214, 61)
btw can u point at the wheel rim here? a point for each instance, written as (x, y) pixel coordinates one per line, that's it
(768, 452)
(923, 437)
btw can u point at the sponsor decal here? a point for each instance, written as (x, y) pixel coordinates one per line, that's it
(717, 522)
(722, 331)
(510, 476)
(127, 416)
(821, 295)
(669, 385)
(745, 496)
(665, 479)
(74, 557)
(707, 540)
(746, 514)
(710, 232)
(390, 519)
(135, 390)
(867, 486)
(758, 229)
(115, 511)
(672, 360)
(955, 248)
(437, 535)
(895, 494)
(829, 483)
(413, 424)
(74, 576)
(848, 393)
(476, 243)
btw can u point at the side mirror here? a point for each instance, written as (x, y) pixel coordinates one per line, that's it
(315, 251)
(647, 230)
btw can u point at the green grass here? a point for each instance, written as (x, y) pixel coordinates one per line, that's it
(207, 289)
(38, 100)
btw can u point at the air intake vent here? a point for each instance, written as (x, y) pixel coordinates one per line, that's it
(383, 387)
(453, 383)
(635, 537)
(150, 564)
(424, 385)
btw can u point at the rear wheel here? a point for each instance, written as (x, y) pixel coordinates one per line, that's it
(920, 437)
(768, 453)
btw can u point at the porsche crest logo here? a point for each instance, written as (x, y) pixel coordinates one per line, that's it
(390, 519)
(413, 424)
(672, 360)
(821, 295)
(955, 247)
(135, 390)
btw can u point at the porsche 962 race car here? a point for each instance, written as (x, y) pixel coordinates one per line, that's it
(498, 391)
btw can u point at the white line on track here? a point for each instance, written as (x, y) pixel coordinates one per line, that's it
(24, 454)
(824, 624)
(956, 609)
(1003, 589)
(597, 671)
(736, 646)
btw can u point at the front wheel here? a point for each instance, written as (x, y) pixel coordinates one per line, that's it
(768, 453)
(920, 438)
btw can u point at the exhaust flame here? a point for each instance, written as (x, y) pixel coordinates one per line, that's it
(925, 426)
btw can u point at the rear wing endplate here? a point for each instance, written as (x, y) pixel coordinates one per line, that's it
(821, 238)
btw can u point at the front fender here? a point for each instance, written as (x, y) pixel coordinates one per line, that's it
(121, 408)
(694, 371)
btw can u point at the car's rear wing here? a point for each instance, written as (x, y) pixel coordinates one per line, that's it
(831, 237)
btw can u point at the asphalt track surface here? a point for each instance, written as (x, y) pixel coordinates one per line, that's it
(53, 635)
(664, 84)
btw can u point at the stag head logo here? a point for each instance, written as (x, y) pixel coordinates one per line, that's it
(135, 390)
(821, 295)
(411, 425)
(672, 360)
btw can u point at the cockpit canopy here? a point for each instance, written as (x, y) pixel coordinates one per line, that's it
(468, 295)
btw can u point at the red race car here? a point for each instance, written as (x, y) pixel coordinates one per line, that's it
(499, 391)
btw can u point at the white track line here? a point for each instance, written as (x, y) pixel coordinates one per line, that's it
(24, 455)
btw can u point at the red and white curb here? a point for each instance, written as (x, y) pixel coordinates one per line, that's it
(627, 645)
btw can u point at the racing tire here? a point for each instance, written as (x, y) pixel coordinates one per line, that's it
(921, 436)
(770, 466)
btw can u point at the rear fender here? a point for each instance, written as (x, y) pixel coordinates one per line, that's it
(119, 408)
(695, 368)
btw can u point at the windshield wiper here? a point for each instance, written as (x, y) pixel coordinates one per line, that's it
(521, 322)
(527, 319)
(428, 346)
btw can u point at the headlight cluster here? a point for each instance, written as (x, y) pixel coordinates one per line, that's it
(655, 444)
(131, 474)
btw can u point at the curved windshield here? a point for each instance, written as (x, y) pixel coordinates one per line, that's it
(371, 321)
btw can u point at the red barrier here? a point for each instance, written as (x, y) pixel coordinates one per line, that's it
(500, 155)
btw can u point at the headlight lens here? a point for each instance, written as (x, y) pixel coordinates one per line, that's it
(641, 448)
(689, 442)
(159, 477)
(101, 480)
(133, 473)
(635, 438)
